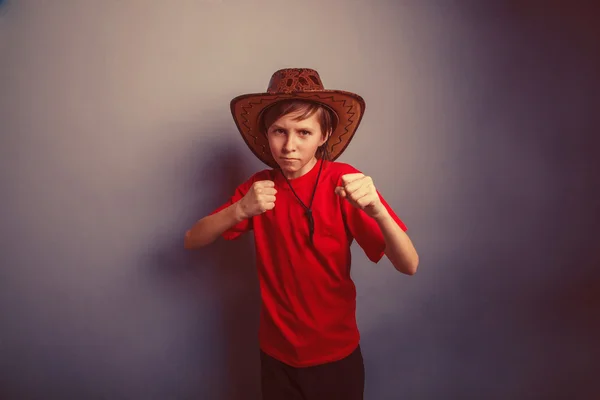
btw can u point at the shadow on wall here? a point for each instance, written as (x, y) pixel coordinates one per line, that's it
(221, 281)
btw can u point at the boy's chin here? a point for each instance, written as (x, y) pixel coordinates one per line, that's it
(290, 165)
(289, 168)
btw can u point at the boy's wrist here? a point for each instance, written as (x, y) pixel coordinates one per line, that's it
(239, 213)
(381, 215)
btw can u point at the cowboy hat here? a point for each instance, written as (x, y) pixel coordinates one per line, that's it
(297, 84)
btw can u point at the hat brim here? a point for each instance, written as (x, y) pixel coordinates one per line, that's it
(348, 107)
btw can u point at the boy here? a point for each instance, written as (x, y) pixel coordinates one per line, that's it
(305, 212)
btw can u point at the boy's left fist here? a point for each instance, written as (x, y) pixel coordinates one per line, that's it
(360, 191)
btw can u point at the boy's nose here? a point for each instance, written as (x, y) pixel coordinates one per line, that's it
(289, 145)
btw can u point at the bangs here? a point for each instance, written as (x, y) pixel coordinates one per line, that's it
(304, 109)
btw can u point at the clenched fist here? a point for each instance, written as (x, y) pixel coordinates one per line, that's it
(360, 191)
(260, 198)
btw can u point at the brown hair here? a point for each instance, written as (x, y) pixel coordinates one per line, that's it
(306, 109)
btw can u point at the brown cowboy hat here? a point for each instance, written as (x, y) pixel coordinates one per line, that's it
(303, 84)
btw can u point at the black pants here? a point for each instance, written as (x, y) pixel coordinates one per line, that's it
(338, 380)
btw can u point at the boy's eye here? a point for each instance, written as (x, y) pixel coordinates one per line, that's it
(305, 132)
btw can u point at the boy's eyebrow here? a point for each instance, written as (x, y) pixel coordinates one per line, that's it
(304, 128)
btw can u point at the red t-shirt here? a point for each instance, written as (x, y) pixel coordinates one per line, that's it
(308, 311)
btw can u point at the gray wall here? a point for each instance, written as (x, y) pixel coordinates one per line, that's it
(481, 131)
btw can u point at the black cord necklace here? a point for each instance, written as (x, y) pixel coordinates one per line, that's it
(307, 209)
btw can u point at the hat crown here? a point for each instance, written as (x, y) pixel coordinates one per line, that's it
(291, 80)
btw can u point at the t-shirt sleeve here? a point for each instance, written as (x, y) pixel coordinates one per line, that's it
(365, 229)
(246, 225)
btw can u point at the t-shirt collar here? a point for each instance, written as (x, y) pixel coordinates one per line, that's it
(306, 179)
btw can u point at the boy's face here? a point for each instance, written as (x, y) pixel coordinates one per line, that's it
(294, 143)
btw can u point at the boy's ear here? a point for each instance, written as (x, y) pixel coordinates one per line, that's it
(327, 136)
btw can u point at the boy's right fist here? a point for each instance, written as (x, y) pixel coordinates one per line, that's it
(260, 198)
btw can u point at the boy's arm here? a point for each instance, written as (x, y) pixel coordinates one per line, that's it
(391, 239)
(209, 228)
(247, 202)
(398, 246)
